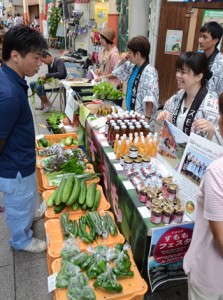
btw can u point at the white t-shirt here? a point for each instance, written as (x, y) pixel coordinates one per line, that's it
(203, 260)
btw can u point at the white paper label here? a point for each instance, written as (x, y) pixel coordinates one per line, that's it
(52, 282)
(145, 212)
(100, 136)
(111, 155)
(43, 207)
(118, 167)
(105, 144)
(128, 185)
(102, 130)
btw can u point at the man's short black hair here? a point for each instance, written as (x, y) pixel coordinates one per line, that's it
(45, 53)
(215, 30)
(24, 40)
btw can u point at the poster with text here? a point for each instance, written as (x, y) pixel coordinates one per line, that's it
(172, 145)
(198, 154)
(173, 42)
(167, 249)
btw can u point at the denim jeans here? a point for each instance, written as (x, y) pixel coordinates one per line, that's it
(19, 198)
(39, 89)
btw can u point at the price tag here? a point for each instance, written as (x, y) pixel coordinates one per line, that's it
(43, 207)
(39, 137)
(145, 212)
(128, 185)
(111, 155)
(105, 144)
(52, 282)
(118, 167)
(102, 130)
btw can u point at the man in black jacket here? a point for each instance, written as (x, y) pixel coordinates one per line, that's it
(56, 69)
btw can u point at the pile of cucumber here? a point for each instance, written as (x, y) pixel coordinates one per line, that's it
(89, 227)
(74, 192)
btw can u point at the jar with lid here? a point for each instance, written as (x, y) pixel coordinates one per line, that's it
(171, 192)
(142, 196)
(156, 215)
(128, 162)
(137, 163)
(133, 152)
(166, 181)
(156, 202)
(122, 159)
(146, 161)
(149, 197)
(178, 213)
(167, 214)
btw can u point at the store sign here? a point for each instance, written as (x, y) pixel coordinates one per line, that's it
(167, 249)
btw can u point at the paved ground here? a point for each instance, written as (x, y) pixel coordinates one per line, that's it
(23, 276)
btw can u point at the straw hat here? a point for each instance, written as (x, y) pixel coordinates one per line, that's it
(108, 33)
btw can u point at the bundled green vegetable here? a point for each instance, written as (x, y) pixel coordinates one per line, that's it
(69, 227)
(106, 90)
(108, 282)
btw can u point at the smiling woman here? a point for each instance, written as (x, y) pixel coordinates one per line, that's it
(192, 108)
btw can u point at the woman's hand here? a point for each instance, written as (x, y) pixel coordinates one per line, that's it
(99, 78)
(163, 116)
(97, 72)
(204, 125)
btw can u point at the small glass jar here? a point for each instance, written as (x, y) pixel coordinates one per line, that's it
(146, 161)
(137, 164)
(128, 163)
(133, 152)
(167, 214)
(156, 202)
(156, 215)
(178, 213)
(122, 158)
(143, 196)
(166, 181)
(171, 192)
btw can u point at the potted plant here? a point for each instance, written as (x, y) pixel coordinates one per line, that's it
(54, 19)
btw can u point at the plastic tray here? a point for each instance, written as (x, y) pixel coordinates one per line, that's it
(133, 288)
(50, 214)
(55, 239)
(56, 138)
(46, 185)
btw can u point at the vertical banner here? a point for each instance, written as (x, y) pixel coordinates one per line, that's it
(167, 249)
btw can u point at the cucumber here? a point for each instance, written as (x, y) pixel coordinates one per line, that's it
(91, 191)
(75, 206)
(59, 208)
(83, 192)
(84, 206)
(68, 188)
(96, 200)
(60, 188)
(51, 199)
(75, 192)
(44, 142)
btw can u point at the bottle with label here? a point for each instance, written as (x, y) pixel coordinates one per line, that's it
(107, 124)
(146, 130)
(109, 128)
(115, 132)
(127, 147)
(116, 142)
(118, 150)
(111, 132)
(138, 128)
(131, 129)
(149, 147)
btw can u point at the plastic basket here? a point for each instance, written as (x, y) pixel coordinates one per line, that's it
(133, 288)
(47, 186)
(56, 138)
(50, 214)
(55, 239)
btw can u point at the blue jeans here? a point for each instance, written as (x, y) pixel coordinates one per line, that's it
(19, 198)
(39, 89)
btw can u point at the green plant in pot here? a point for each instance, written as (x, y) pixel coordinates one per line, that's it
(106, 91)
(54, 20)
